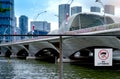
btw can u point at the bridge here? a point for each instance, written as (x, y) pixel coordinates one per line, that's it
(75, 43)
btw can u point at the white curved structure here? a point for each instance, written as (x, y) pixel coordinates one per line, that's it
(86, 20)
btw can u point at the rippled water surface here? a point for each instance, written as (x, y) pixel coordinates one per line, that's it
(33, 69)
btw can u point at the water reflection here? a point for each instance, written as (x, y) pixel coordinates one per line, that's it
(35, 70)
(32, 69)
(6, 69)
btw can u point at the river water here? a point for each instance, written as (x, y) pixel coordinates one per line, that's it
(34, 69)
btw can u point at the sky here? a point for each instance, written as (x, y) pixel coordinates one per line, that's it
(31, 8)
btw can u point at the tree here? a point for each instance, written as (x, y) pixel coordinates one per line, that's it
(3, 9)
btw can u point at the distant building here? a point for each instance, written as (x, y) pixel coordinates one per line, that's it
(6, 19)
(14, 27)
(15, 21)
(64, 11)
(110, 9)
(95, 9)
(23, 25)
(76, 9)
(17, 31)
(37, 32)
(42, 26)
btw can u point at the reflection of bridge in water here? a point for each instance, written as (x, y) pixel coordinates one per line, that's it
(73, 47)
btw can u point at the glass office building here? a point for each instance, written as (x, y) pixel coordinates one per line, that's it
(110, 9)
(6, 19)
(76, 9)
(41, 26)
(64, 9)
(23, 24)
(95, 9)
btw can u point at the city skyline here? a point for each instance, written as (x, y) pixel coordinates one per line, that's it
(31, 8)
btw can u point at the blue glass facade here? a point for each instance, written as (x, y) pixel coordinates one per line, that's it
(37, 32)
(6, 19)
(63, 10)
(41, 26)
(76, 9)
(23, 24)
(95, 9)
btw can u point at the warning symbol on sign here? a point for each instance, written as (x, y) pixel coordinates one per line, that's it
(103, 57)
(103, 54)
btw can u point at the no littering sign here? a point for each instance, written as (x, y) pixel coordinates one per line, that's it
(103, 57)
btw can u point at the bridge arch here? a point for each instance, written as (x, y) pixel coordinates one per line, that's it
(38, 46)
(6, 51)
(74, 44)
(88, 52)
(20, 51)
(22, 54)
(47, 54)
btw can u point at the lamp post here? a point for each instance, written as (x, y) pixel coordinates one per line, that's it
(34, 19)
(99, 1)
(59, 20)
(5, 33)
(71, 1)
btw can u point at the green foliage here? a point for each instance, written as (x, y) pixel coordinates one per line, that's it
(0, 4)
(4, 9)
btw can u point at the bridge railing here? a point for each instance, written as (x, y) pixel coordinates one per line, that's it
(30, 39)
(35, 38)
(95, 28)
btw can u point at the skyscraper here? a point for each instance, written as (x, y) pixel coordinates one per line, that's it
(76, 9)
(23, 24)
(110, 9)
(95, 9)
(64, 12)
(6, 19)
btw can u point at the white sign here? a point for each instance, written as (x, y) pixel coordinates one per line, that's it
(103, 57)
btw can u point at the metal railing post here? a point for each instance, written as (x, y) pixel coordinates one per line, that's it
(61, 59)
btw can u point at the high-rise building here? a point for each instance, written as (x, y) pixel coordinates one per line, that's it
(40, 26)
(64, 12)
(6, 19)
(76, 9)
(110, 9)
(23, 25)
(95, 9)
